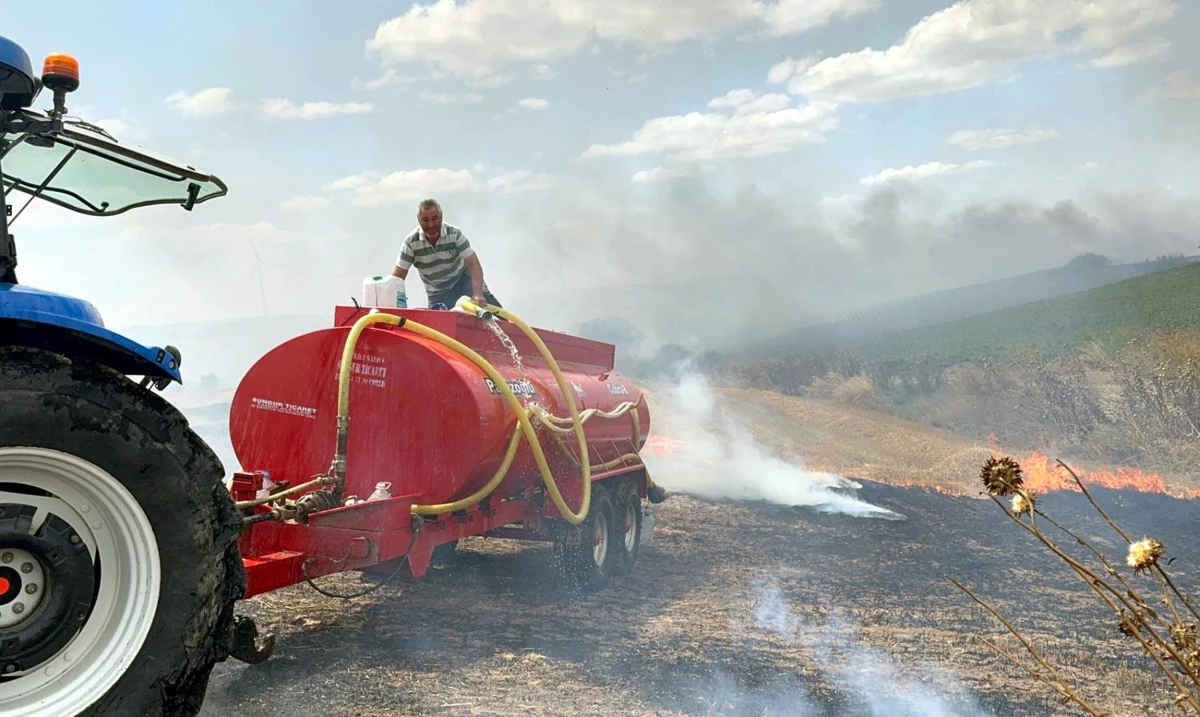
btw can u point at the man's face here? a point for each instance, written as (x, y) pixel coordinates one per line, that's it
(431, 221)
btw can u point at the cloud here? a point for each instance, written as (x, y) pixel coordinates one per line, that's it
(975, 140)
(976, 42)
(925, 171)
(374, 189)
(533, 103)
(205, 104)
(389, 78)
(125, 128)
(744, 102)
(305, 203)
(451, 98)
(1177, 86)
(792, 17)
(459, 39)
(1126, 55)
(521, 180)
(659, 174)
(759, 125)
(280, 108)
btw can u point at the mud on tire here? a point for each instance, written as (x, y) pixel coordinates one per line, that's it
(103, 418)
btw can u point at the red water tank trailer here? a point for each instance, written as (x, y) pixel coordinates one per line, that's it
(423, 417)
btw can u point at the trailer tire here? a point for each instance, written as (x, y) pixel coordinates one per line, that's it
(157, 510)
(584, 552)
(626, 526)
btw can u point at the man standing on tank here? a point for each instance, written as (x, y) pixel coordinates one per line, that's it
(446, 261)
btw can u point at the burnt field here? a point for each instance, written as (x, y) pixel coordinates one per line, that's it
(736, 608)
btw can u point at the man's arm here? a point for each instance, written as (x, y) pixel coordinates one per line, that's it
(476, 270)
(404, 261)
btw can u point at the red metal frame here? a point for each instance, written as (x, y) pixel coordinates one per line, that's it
(279, 554)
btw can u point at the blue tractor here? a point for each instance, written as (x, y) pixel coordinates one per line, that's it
(119, 567)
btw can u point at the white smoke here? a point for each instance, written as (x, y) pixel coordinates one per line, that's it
(862, 671)
(718, 458)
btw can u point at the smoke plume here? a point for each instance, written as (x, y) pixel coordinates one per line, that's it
(866, 674)
(719, 459)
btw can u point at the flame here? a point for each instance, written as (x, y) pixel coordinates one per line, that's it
(662, 445)
(1044, 475)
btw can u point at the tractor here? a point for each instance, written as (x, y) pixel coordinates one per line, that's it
(119, 566)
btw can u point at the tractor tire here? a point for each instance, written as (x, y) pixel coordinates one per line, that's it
(111, 502)
(626, 526)
(584, 553)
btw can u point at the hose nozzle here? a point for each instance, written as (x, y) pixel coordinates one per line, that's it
(465, 305)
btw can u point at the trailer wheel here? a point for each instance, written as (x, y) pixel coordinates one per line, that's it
(627, 526)
(585, 552)
(117, 540)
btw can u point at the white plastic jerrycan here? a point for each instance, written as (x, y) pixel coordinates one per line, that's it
(384, 292)
(381, 492)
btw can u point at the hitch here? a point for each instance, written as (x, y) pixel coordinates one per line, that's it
(243, 642)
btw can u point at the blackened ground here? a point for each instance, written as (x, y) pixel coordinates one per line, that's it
(735, 609)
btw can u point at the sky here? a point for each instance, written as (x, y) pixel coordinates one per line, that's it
(709, 170)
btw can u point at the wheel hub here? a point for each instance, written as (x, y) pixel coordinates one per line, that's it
(22, 586)
(47, 583)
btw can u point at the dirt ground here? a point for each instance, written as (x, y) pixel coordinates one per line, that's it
(736, 608)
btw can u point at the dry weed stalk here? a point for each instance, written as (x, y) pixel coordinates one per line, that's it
(1168, 637)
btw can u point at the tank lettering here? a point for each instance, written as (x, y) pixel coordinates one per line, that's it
(521, 387)
(578, 389)
(291, 409)
(618, 389)
(368, 370)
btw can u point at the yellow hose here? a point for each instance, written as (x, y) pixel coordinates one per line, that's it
(524, 426)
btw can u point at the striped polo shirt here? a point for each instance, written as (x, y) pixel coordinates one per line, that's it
(441, 265)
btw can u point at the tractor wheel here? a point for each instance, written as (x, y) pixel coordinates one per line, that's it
(119, 566)
(627, 526)
(585, 552)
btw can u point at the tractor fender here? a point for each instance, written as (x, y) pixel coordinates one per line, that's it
(74, 328)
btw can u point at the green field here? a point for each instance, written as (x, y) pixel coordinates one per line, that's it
(1110, 315)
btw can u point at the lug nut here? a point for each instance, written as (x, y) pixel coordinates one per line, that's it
(18, 608)
(10, 668)
(74, 539)
(31, 588)
(27, 568)
(7, 558)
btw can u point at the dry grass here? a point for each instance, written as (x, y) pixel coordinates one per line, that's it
(1139, 403)
(693, 632)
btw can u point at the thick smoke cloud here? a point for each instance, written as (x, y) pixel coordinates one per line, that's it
(693, 262)
(719, 269)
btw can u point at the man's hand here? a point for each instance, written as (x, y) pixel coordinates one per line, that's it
(479, 300)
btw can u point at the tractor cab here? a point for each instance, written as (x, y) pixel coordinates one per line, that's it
(72, 163)
(81, 167)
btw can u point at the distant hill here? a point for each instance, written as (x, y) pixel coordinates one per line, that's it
(1086, 272)
(1112, 313)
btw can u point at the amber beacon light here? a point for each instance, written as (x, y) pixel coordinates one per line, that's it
(60, 72)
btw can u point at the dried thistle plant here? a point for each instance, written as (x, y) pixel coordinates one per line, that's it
(1144, 554)
(1001, 476)
(1023, 502)
(1168, 638)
